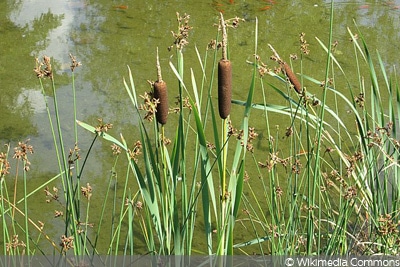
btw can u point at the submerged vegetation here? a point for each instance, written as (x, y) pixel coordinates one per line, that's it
(330, 183)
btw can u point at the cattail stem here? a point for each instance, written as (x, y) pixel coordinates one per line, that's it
(161, 93)
(224, 77)
(224, 38)
(159, 77)
(223, 225)
(224, 106)
(292, 77)
(276, 55)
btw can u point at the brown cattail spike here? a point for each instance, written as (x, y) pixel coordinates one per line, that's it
(161, 93)
(292, 77)
(224, 88)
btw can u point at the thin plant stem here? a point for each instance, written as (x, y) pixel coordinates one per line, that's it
(223, 196)
(15, 190)
(122, 215)
(52, 132)
(102, 213)
(26, 213)
(75, 118)
(87, 156)
(72, 207)
(58, 123)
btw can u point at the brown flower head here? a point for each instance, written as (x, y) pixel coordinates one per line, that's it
(86, 191)
(183, 32)
(102, 127)
(21, 153)
(66, 243)
(303, 44)
(4, 165)
(74, 63)
(43, 69)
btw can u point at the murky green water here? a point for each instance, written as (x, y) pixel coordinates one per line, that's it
(106, 36)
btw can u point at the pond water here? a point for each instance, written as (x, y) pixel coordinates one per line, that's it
(107, 36)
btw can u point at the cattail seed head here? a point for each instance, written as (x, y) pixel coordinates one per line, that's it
(292, 77)
(224, 87)
(161, 93)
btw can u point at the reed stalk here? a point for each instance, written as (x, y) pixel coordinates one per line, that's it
(224, 106)
(73, 66)
(26, 216)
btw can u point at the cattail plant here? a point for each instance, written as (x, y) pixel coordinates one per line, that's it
(224, 106)
(224, 78)
(161, 93)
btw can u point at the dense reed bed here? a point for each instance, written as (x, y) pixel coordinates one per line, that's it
(326, 188)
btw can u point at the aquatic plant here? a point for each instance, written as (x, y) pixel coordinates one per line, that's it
(337, 197)
(329, 187)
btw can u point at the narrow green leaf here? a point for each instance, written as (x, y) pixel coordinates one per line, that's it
(102, 134)
(252, 242)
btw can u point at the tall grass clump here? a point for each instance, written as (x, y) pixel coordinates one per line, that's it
(340, 192)
(26, 235)
(173, 193)
(76, 197)
(17, 224)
